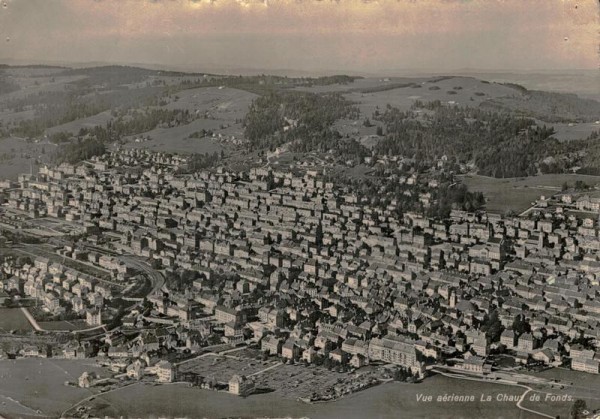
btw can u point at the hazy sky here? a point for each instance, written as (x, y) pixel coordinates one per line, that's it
(350, 35)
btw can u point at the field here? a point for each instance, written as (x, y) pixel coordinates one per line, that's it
(517, 194)
(370, 94)
(74, 126)
(580, 385)
(17, 156)
(176, 139)
(38, 384)
(13, 319)
(218, 110)
(384, 401)
(64, 325)
(567, 132)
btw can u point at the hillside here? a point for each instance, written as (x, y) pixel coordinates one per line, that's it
(243, 116)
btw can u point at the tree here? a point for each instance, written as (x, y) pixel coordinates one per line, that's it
(580, 185)
(520, 325)
(578, 408)
(492, 326)
(156, 264)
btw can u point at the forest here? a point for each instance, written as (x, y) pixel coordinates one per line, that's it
(136, 122)
(52, 108)
(78, 151)
(287, 116)
(500, 145)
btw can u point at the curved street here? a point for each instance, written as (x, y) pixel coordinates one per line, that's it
(156, 278)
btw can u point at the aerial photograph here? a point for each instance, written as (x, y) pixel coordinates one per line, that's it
(354, 209)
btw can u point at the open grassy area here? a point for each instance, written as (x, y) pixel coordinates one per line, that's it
(391, 400)
(13, 319)
(176, 139)
(18, 156)
(577, 384)
(64, 325)
(517, 194)
(73, 127)
(38, 384)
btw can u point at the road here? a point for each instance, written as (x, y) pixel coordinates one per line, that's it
(64, 414)
(501, 381)
(266, 369)
(156, 278)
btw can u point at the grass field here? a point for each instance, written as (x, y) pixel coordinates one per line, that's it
(13, 319)
(566, 132)
(391, 400)
(73, 127)
(176, 139)
(517, 194)
(64, 325)
(38, 384)
(17, 156)
(579, 385)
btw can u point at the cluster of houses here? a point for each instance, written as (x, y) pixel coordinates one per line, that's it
(313, 271)
(58, 288)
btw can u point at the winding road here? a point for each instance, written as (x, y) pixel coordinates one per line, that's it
(156, 278)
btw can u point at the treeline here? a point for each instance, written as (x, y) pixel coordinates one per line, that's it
(197, 161)
(500, 145)
(261, 83)
(81, 150)
(137, 122)
(454, 196)
(111, 76)
(547, 106)
(281, 117)
(54, 108)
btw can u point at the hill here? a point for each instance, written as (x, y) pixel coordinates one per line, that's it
(346, 116)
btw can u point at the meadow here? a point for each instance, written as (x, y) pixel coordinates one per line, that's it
(391, 400)
(13, 319)
(517, 194)
(38, 384)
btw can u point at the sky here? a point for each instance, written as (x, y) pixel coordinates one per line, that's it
(352, 36)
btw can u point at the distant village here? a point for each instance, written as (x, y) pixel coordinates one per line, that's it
(160, 267)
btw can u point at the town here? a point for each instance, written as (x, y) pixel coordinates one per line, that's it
(188, 277)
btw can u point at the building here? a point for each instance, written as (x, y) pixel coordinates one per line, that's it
(396, 351)
(271, 345)
(226, 315)
(86, 380)
(290, 350)
(165, 372)
(586, 365)
(508, 338)
(476, 365)
(241, 386)
(93, 317)
(527, 342)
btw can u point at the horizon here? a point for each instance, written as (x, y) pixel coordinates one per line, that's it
(401, 72)
(354, 37)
